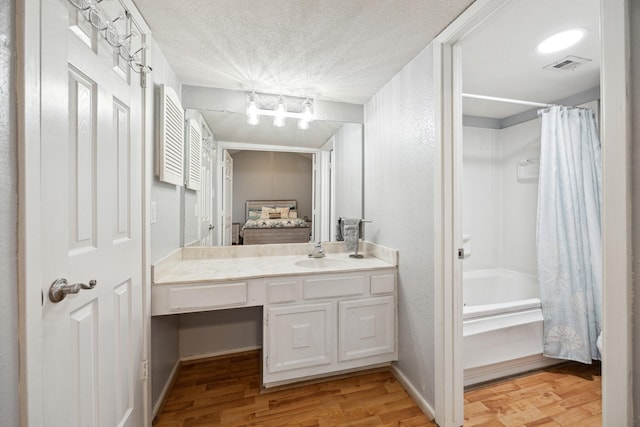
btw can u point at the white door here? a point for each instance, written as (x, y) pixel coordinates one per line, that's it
(227, 195)
(91, 195)
(205, 195)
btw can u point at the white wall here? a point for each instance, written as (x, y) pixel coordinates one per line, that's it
(481, 196)
(635, 195)
(220, 331)
(9, 361)
(499, 210)
(519, 201)
(165, 234)
(271, 175)
(347, 148)
(399, 144)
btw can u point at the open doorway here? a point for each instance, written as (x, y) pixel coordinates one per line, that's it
(450, 83)
(508, 83)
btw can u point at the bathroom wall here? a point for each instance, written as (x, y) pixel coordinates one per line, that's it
(519, 199)
(165, 235)
(634, 7)
(499, 210)
(271, 175)
(9, 358)
(216, 332)
(399, 150)
(481, 195)
(347, 143)
(166, 232)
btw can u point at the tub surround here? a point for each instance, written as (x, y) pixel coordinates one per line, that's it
(321, 316)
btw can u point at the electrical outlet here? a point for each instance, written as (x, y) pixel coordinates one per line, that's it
(154, 212)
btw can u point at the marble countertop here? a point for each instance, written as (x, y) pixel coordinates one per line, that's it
(192, 266)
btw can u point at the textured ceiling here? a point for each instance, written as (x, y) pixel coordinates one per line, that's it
(346, 50)
(499, 57)
(338, 50)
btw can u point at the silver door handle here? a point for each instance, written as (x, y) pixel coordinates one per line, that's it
(61, 288)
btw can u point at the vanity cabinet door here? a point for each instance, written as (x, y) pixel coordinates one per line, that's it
(300, 337)
(366, 328)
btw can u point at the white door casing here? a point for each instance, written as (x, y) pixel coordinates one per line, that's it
(90, 146)
(205, 195)
(227, 197)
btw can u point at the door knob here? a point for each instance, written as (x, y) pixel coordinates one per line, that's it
(211, 227)
(61, 288)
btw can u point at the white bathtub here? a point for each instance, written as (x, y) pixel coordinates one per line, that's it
(502, 325)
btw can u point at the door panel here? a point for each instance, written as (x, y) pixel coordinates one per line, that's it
(82, 179)
(85, 358)
(91, 183)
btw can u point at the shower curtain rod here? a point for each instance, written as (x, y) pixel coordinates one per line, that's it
(511, 101)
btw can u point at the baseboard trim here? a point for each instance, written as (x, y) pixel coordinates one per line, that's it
(481, 374)
(165, 390)
(413, 392)
(219, 353)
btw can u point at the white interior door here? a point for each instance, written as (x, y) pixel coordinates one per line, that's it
(227, 195)
(205, 195)
(90, 168)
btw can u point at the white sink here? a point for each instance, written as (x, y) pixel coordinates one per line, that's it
(322, 263)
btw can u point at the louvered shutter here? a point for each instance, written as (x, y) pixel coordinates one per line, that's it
(170, 137)
(194, 155)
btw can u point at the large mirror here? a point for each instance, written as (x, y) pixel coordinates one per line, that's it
(319, 168)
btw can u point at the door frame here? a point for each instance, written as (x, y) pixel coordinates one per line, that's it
(30, 250)
(616, 218)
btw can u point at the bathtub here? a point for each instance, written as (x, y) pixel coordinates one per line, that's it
(502, 325)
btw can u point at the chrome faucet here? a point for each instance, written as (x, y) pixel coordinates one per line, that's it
(317, 251)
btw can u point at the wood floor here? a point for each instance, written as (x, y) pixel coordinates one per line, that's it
(225, 391)
(569, 395)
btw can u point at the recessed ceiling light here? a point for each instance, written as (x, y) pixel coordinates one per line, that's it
(560, 40)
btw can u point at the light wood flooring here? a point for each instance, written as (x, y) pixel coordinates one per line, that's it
(567, 395)
(225, 391)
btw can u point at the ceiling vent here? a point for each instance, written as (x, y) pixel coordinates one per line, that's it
(568, 63)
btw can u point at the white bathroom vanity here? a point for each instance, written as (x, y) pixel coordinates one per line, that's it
(320, 315)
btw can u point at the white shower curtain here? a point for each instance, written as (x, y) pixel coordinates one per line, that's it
(569, 242)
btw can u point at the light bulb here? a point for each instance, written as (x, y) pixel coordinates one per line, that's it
(278, 119)
(307, 112)
(560, 41)
(303, 124)
(253, 119)
(252, 110)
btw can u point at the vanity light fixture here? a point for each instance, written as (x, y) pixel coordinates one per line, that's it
(560, 41)
(303, 111)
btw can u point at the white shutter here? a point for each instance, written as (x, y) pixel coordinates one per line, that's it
(170, 137)
(194, 155)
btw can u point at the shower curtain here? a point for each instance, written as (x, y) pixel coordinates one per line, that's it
(568, 238)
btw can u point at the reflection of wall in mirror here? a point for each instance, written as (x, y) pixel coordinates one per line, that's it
(269, 175)
(347, 171)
